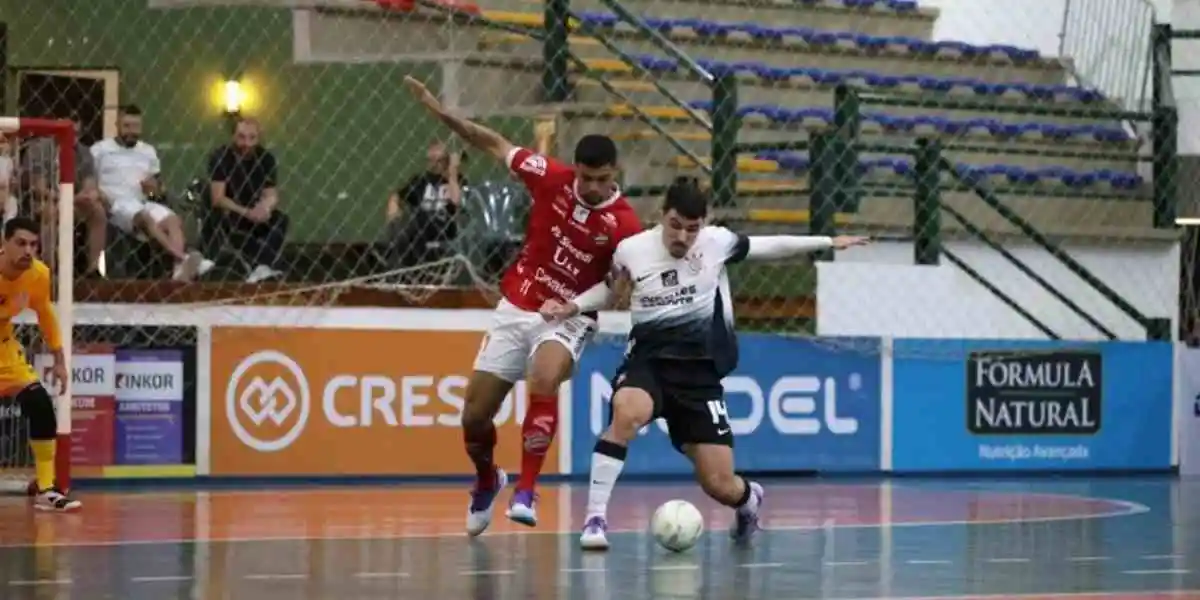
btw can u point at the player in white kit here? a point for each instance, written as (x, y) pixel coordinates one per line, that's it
(682, 344)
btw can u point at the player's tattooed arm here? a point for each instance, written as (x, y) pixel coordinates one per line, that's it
(478, 136)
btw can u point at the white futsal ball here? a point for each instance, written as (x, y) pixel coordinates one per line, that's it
(677, 525)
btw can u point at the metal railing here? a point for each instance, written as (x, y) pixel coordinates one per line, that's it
(1108, 47)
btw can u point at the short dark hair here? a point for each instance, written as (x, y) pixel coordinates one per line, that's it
(686, 197)
(131, 110)
(596, 151)
(16, 224)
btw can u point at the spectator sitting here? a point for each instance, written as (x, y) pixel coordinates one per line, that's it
(244, 179)
(40, 162)
(128, 173)
(434, 198)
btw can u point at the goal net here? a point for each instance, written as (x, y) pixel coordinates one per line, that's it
(37, 158)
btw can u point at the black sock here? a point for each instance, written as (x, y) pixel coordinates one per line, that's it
(611, 450)
(745, 494)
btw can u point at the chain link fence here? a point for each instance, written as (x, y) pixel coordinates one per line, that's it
(829, 116)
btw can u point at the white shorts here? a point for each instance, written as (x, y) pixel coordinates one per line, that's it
(515, 334)
(124, 211)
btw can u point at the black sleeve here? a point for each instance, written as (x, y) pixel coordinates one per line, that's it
(270, 170)
(218, 165)
(739, 251)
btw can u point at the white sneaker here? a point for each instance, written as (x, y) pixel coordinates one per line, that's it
(595, 534)
(205, 266)
(52, 500)
(479, 511)
(262, 273)
(186, 269)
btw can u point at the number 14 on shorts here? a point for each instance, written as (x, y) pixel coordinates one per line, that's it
(720, 415)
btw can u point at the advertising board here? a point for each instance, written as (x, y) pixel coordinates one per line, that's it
(337, 402)
(965, 405)
(793, 405)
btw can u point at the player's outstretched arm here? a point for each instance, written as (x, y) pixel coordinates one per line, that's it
(783, 246)
(476, 135)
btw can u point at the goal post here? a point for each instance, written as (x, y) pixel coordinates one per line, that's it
(14, 462)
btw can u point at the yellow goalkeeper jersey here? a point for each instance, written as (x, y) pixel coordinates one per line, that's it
(30, 290)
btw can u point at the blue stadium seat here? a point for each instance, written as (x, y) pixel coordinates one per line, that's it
(943, 125)
(878, 80)
(1054, 175)
(817, 37)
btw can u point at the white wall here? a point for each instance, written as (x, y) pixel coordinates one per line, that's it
(878, 291)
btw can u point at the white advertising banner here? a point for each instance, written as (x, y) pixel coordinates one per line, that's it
(1187, 419)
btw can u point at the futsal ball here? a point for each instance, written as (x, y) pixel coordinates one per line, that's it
(677, 525)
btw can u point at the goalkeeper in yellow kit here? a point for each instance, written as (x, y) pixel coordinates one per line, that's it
(25, 284)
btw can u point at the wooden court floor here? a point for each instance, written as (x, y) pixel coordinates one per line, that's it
(962, 539)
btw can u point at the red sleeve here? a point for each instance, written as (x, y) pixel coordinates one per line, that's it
(628, 225)
(535, 170)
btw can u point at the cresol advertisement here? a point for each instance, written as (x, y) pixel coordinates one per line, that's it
(794, 405)
(1007, 405)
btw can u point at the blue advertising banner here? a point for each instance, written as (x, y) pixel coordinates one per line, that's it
(149, 423)
(965, 405)
(794, 404)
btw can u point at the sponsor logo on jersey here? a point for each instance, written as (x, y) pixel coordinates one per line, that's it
(609, 219)
(581, 214)
(534, 164)
(670, 278)
(675, 297)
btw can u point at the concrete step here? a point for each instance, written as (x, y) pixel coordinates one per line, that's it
(993, 70)
(781, 13)
(1101, 221)
(499, 83)
(637, 141)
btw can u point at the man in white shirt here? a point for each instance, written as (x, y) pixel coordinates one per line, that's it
(680, 347)
(127, 170)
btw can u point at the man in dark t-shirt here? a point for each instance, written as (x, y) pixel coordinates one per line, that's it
(421, 214)
(244, 177)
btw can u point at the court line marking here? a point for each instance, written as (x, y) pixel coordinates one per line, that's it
(159, 578)
(927, 562)
(847, 563)
(765, 565)
(474, 573)
(1002, 561)
(381, 575)
(583, 570)
(1161, 557)
(1156, 572)
(275, 576)
(675, 567)
(1088, 558)
(1124, 508)
(1037, 596)
(36, 582)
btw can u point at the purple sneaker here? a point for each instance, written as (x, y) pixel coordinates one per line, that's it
(594, 534)
(523, 508)
(747, 517)
(479, 511)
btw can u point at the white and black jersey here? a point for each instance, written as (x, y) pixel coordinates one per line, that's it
(681, 308)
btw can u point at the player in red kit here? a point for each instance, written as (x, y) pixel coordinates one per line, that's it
(577, 219)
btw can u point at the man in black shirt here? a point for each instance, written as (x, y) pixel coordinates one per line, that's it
(432, 200)
(243, 185)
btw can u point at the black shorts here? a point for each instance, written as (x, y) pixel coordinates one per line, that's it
(687, 394)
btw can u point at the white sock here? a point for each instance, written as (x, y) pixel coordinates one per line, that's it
(605, 471)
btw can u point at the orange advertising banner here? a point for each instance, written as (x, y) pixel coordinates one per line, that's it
(315, 401)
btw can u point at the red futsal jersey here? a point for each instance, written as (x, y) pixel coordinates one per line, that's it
(568, 244)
